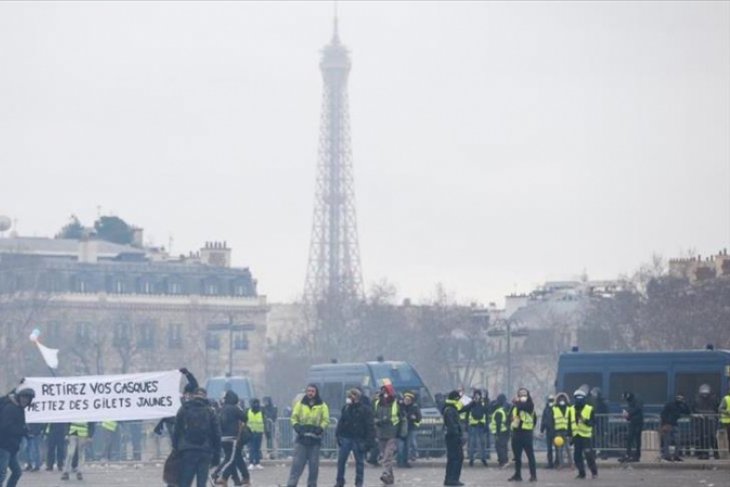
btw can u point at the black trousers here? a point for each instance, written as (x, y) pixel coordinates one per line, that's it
(454, 458)
(502, 439)
(634, 441)
(522, 441)
(549, 437)
(583, 448)
(56, 452)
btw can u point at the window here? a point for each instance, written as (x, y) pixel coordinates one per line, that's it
(651, 386)
(145, 286)
(122, 334)
(174, 335)
(240, 340)
(83, 332)
(146, 335)
(174, 287)
(689, 383)
(212, 341)
(82, 284)
(572, 381)
(119, 286)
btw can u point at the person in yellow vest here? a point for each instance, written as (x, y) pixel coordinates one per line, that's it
(581, 419)
(560, 412)
(110, 438)
(387, 415)
(476, 420)
(522, 422)
(256, 424)
(499, 427)
(79, 435)
(310, 418)
(724, 411)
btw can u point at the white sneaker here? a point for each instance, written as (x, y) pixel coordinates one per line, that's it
(259, 467)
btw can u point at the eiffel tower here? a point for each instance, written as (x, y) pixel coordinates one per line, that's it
(334, 281)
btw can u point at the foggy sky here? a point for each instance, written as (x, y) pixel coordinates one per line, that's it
(495, 145)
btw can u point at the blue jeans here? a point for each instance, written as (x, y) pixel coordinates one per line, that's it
(404, 448)
(348, 445)
(33, 451)
(195, 466)
(254, 448)
(9, 460)
(478, 442)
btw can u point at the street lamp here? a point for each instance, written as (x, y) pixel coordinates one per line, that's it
(230, 327)
(509, 333)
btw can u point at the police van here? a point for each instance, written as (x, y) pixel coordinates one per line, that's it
(333, 381)
(654, 377)
(242, 386)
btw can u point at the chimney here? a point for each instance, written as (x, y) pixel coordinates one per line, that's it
(88, 251)
(216, 254)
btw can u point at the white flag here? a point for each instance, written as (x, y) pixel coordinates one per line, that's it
(50, 355)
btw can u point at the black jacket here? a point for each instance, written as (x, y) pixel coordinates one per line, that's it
(231, 415)
(478, 410)
(452, 425)
(634, 411)
(12, 425)
(212, 441)
(547, 423)
(357, 423)
(672, 411)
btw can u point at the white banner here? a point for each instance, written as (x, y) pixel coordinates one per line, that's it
(96, 398)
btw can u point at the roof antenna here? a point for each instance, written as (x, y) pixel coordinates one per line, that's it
(336, 34)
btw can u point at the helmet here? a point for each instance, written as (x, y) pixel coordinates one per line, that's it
(596, 392)
(551, 397)
(705, 389)
(579, 393)
(26, 392)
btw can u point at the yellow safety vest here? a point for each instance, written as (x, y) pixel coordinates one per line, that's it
(582, 429)
(316, 415)
(394, 412)
(493, 422)
(79, 429)
(526, 420)
(560, 418)
(256, 421)
(109, 425)
(725, 417)
(473, 422)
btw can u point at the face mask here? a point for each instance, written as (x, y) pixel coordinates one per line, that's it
(523, 398)
(561, 403)
(348, 401)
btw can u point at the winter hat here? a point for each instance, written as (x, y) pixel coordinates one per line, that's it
(454, 395)
(354, 392)
(410, 395)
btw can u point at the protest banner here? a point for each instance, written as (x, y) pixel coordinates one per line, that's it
(94, 398)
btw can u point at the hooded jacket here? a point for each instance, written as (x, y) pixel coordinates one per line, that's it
(309, 419)
(452, 424)
(231, 416)
(634, 410)
(212, 442)
(356, 423)
(12, 424)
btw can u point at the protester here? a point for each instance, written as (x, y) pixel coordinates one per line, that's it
(634, 414)
(56, 445)
(79, 436)
(581, 423)
(33, 447)
(197, 438)
(388, 419)
(704, 423)
(724, 410)
(355, 433)
(522, 422)
(271, 413)
(232, 418)
(547, 428)
(499, 427)
(309, 419)
(477, 428)
(12, 431)
(560, 412)
(454, 445)
(256, 423)
(672, 411)
(412, 414)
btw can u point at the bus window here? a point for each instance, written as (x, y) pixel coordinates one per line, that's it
(689, 384)
(651, 387)
(333, 395)
(572, 381)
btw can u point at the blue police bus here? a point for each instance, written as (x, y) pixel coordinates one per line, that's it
(654, 377)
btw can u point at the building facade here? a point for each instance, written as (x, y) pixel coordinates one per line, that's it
(113, 308)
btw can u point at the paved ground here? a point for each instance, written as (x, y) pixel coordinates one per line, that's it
(275, 474)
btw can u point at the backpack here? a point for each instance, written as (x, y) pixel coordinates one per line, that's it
(197, 425)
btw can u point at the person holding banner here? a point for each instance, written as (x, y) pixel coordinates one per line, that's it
(79, 435)
(12, 431)
(197, 438)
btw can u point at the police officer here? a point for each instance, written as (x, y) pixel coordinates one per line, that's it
(580, 424)
(522, 423)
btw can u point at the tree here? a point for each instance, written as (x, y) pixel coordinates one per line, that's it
(114, 229)
(73, 229)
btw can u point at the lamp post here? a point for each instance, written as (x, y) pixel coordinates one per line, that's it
(508, 333)
(230, 327)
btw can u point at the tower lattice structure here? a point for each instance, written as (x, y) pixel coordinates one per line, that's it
(334, 279)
